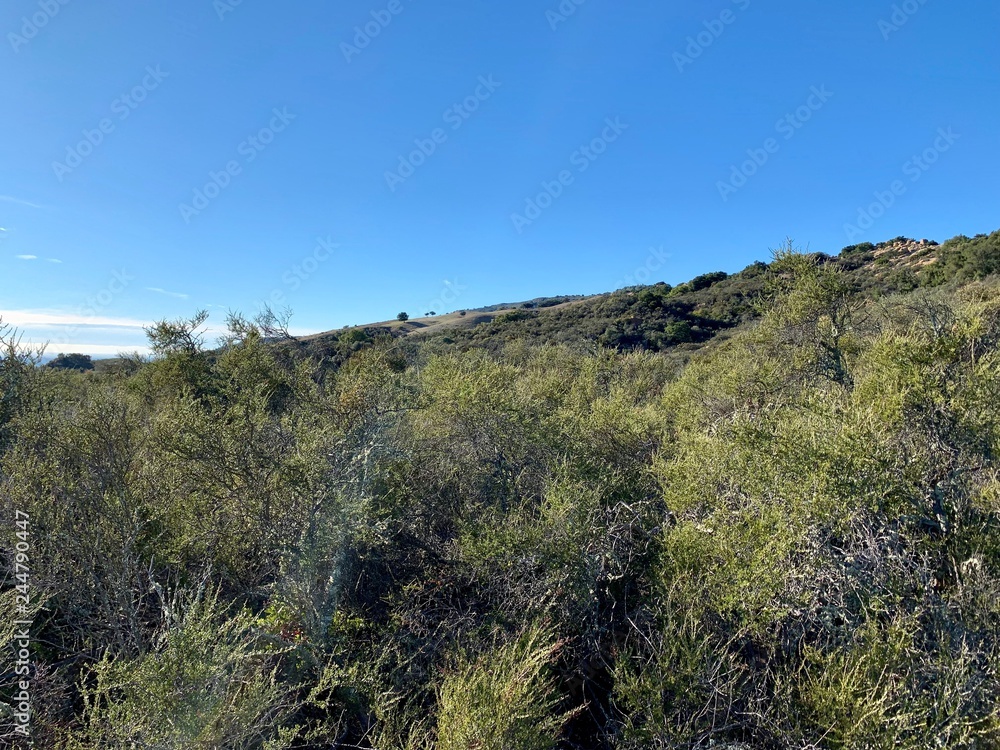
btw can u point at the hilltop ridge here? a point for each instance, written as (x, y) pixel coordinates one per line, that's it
(660, 316)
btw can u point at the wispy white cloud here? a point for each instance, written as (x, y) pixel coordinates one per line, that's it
(77, 331)
(178, 295)
(18, 201)
(53, 260)
(27, 257)
(98, 335)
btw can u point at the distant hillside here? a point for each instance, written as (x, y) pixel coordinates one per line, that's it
(663, 317)
(658, 317)
(537, 303)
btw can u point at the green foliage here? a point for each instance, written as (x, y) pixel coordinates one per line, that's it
(965, 259)
(815, 318)
(680, 686)
(706, 280)
(859, 695)
(177, 336)
(209, 681)
(17, 364)
(504, 700)
(863, 249)
(72, 362)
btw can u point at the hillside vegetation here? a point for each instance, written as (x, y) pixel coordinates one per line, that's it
(682, 318)
(749, 511)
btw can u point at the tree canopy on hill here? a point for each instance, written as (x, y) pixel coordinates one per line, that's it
(72, 362)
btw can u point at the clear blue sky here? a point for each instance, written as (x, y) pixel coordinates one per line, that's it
(176, 91)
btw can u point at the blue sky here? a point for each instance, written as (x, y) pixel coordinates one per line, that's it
(350, 160)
